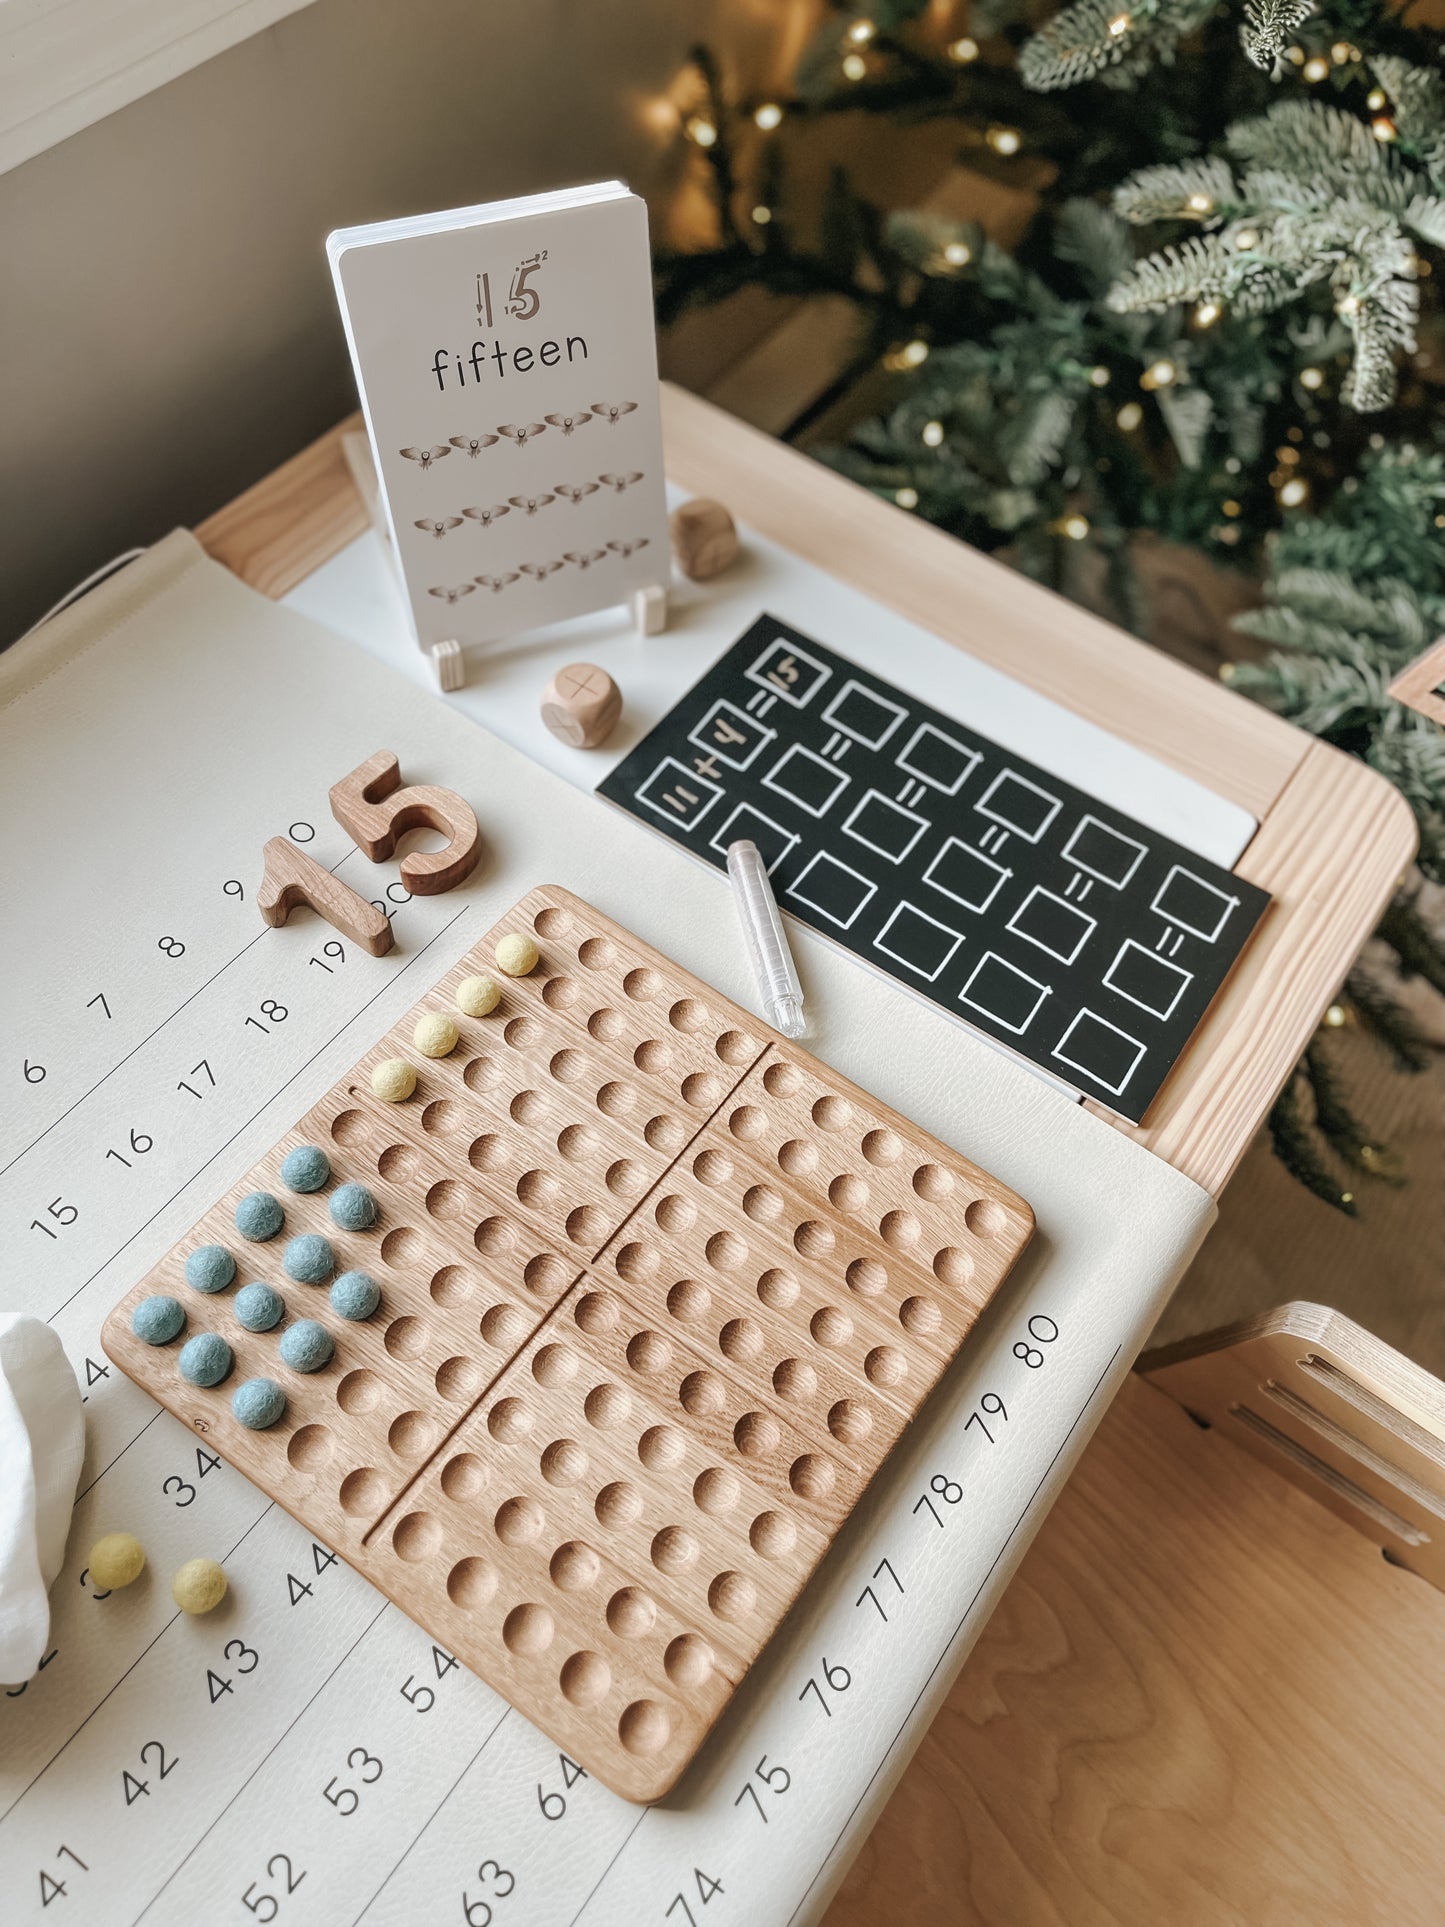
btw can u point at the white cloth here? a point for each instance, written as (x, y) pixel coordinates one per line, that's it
(42, 1444)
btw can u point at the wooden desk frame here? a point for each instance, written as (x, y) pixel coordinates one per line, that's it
(1334, 838)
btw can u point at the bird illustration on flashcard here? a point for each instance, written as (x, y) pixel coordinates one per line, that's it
(522, 435)
(472, 445)
(487, 516)
(438, 525)
(424, 457)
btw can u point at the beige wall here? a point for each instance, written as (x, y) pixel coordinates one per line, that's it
(167, 326)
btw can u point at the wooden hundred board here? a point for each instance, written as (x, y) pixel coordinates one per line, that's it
(659, 1292)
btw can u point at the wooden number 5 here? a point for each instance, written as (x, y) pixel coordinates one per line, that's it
(374, 809)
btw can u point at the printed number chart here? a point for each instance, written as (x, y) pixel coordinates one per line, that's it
(307, 1755)
(1052, 922)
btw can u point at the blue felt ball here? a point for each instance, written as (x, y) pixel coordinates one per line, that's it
(306, 1346)
(205, 1359)
(259, 1308)
(157, 1320)
(210, 1268)
(309, 1259)
(353, 1207)
(354, 1295)
(258, 1403)
(259, 1217)
(307, 1168)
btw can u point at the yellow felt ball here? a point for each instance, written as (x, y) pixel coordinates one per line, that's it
(393, 1081)
(516, 954)
(199, 1586)
(477, 996)
(116, 1560)
(435, 1034)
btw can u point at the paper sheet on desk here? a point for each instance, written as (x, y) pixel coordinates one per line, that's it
(173, 722)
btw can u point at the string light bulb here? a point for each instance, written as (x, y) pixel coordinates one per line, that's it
(1004, 140)
(701, 131)
(1099, 376)
(1200, 204)
(1383, 129)
(1316, 69)
(1293, 492)
(1129, 416)
(854, 67)
(1347, 305)
(957, 254)
(1376, 99)
(1075, 527)
(1335, 1016)
(963, 50)
(1231, 507)
(1159, 374)
(861, 32)
(762, 215)
(906, 498)
(913, 353)
(768, 116)
(1119, 26)
(1312, 378)
(932, 434)
(1206, 314)
(1246, 239)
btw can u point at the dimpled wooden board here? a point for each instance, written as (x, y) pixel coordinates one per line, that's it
(659, 1291)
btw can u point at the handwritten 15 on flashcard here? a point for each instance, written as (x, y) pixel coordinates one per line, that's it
(507, 365)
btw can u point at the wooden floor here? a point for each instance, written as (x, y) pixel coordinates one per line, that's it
(1203, 1700)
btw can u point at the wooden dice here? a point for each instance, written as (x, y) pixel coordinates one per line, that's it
(581, 705)
(704, 538)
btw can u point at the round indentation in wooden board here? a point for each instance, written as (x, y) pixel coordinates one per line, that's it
(920, 1316)
(618, 1505)
(689, 1301)
(585, 1679)
(528, 1629)
(900, 1229)
(568, 1066)
(932, 1182)
(831, 1327)
(606, 1406)
(661, 1447)
(523, 1033)
(674, 1550)
(795, 1380)
(504, 1326)
(689, 1016)
(631, 1612)
(885, 1365)
(411, 1435)
(481, 1073)
(564, 1462)
(510, 1421)
(405, 1337)
(486, 1152)
(546, 1273)
(732, 1596)
(416, 1537)
(748, 1123)
(553, 922)
(763, 1203)
(403, 1246)
(734, 1048)
(449, 1200)
(519, 1521)
(688, 1662)
(349, 1127)
(741, 1339)
(702, 1090)
(493, 1236)
(702, 1394)
(867, 1277)
(626, 1178)
(398, 1162)
(637, 1263)
(554, 1366)
(560, 993)
(597, 1312)
(986, 1218)
(882, 1147)
(797, 1157)
(782, 1080)
(616, 1100)
(606, 1024)
(712, 1167)
(832, 1113)
(451, 1287)
(471, 1583)
(441, 1117)
(578, 1143)
(772, 1535)
(812, 1477)
(642, 985)
(459, 1379)
(726, 1251)
(538, 1190)
(648, 1353)
(757, 1435)
(716, 1491)
(675, 1214)
(574, 1567)
(645, 1728)
(814, 1239)
(310, 1448)
(778, 1289)
(528, 1108)
(364, 1490)
(848, 1192)
(653, 1056)
(465, 1477)
(360, 1391)
(597, 953)
(850, 1421)
(665, 1134)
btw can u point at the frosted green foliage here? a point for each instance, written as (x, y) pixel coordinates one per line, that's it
(1110, 40)
(1268, 25)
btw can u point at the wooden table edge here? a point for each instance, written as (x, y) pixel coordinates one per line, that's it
(1328, 893)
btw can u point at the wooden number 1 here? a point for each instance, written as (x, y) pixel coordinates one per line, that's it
(374, 809)
(291, 877)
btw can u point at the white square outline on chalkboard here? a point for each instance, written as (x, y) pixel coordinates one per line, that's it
(1038, 942)
(1166, 963)
(1231, 904)
(824, 856)
(928, 976)
(1092, 1075)
(671, 815)
(891, 803)
(1012, 776)
(971, 759)
(949, 842)
(767, 735)
(722, 839)
(825, 674)
(801, 749)
(992, 956)
(881, 702)
(1114, 883)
